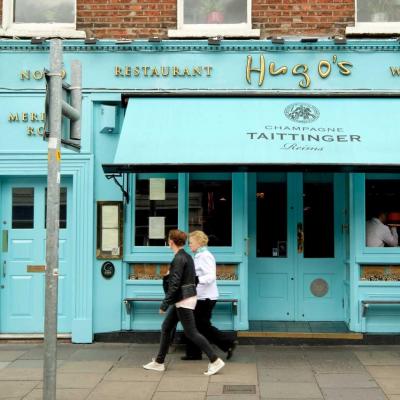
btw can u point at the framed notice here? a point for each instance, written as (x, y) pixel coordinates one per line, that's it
(157, 189)
(109, 230)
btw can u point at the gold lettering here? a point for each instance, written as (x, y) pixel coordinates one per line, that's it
(164, 71)
(304, 83)
(197, 71)
(186, 72)
(25, 75)
(208, 69)
(127, 71)
(324, 65)
(24, 117)
(42, 116)
(118, 71)
(343, 69)
(40, 130)
(175, 71)
(250, 69)
(395, 71)
(37, 75)
(280, 71)
(145, 69)
(34, 117)
(13, 117)
(30, 130)
(136, 71)
(154, 72)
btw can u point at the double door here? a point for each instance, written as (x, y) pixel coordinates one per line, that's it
(297, 234)
(23, 255)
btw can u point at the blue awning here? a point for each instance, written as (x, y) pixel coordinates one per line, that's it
(189, 133)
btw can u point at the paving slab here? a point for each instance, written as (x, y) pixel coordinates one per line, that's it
(76, 381)
(61, 394)
(353, 394)
(177, 384)
(237, 373)
(389, 385)
(133, 375)
(86, 366)
(10, 355)
(123, 391)
(186, 368)
(286, 375)
(378, 357)
(234, 397)
(346, 380)
(64, 351)
(4, 364)
(21, 374)
(286, 390)
(8, 389)
(178, 396)
(383, 371)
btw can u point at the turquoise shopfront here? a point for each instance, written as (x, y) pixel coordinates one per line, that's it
(279, 152)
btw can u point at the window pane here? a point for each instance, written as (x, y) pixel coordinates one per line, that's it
(382, 202)
(318, 215)
(44, 11)
(378, 11)
(22, 208)
(63, 207)
(271, 219)
(215, 11)
(155, 218)
(210, 210)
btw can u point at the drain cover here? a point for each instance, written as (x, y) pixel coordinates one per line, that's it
(239, 389)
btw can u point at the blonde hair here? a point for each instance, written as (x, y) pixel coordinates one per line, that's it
(200, 237)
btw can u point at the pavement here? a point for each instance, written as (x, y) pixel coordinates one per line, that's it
(104, 371)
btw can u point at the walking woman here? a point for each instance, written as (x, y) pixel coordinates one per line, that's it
(180, 301)
(207, 295)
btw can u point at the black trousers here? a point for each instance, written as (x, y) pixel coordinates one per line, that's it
(202, 315)
(186, 317)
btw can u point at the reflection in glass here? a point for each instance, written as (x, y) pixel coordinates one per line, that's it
(63, 207)
(210, 210)
(22, 208)
(378, 11)
(44, 11)
(215, 11)
(155, 211)
(318, 215)
(271, 219)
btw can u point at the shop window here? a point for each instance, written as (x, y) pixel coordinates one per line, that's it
(22, 208)
(389, 273)
(376, 16)
(32, 17)
(156, 210)
(63, 207)
(382, 207)
(210, 209)
(109, 229)
(271, 219)
(214, 17)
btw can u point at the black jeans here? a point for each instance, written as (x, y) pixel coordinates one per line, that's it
(186, 317)
(202, 315)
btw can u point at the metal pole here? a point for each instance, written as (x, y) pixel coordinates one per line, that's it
(76, 98)
(52, 222)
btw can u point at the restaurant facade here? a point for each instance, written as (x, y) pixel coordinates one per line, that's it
(279, 150)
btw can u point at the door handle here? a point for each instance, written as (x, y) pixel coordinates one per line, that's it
(4, 268)
(5, 241)
(300, 238)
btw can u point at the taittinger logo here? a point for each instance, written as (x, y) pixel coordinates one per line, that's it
(302, 112)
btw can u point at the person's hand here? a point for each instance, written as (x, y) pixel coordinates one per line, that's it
(161, 311)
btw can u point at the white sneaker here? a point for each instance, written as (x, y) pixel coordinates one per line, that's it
(214, 367)
(154, 366)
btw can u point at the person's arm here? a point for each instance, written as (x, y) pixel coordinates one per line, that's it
(390, 236)
(206, 264)
(174, 282)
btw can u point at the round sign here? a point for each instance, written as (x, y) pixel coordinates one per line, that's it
(107, 270)
(319, 287)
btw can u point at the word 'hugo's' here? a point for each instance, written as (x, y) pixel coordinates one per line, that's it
(302, 70)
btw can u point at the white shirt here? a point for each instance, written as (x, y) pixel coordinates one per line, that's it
(379, 234)
(206, 270)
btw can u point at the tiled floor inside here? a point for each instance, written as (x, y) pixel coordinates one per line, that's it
(291, 326)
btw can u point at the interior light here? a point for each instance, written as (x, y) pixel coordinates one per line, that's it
(215, 40)
(91, 40)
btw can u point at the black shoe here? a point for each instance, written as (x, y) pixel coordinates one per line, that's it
(191, 358)
(231, 350)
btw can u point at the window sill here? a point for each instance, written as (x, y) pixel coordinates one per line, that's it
(214, 31)
(373, 29)
(63, 33)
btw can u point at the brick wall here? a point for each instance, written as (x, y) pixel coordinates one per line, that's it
(144, 18)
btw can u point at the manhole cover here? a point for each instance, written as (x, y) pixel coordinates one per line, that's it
(239, 389)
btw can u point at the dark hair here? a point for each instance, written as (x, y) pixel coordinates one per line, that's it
(178, 237)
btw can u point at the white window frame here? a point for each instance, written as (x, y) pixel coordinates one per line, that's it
(209, 30)
(372, 27)
(11, 29)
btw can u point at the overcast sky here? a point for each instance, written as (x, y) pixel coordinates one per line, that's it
(44, 11)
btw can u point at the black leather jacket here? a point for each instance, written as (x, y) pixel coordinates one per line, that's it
(181, 281)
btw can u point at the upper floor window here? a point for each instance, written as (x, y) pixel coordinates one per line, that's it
(205, 18)
(376, 16)
(39, 18)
